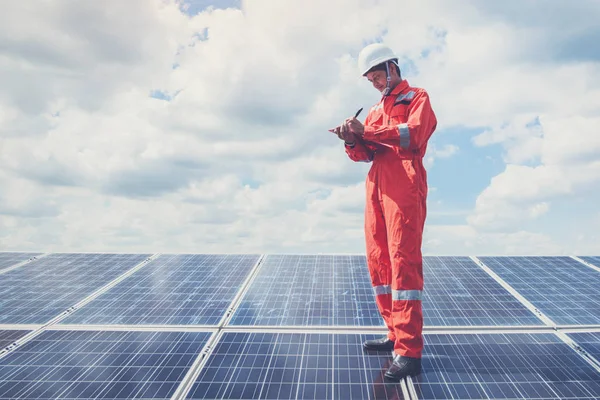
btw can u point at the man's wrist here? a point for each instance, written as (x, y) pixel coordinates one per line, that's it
(350, 144)
(368, 132)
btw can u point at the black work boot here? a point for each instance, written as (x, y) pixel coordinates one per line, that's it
(383, 344)
(403, 366)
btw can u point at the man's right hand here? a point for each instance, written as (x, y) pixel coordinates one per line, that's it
(345, 134)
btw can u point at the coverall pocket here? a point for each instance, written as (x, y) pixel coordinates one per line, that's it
(399, 114)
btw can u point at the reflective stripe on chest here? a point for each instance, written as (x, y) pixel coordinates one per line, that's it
(392, 110)
(405, 98)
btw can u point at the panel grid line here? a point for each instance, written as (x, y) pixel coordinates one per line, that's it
(300, 369)
(332, 365)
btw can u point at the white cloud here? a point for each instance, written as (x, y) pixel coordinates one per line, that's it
(433, 153)
(87, 53)
(538, 209)
(466, 240)
(239, 158)
(571, 140)
(567, 153)
(523, 192)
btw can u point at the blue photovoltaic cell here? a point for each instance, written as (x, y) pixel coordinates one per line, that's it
(594, 260)
(504, 366)
(589, 341)
(99, 365)
(294, 366)
(457, 292)
(173, 289)
(309, 290)
(46, 287)
(9, 336)
(8, 259)
(562, 288)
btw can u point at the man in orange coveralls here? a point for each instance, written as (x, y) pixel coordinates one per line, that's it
(394, 138)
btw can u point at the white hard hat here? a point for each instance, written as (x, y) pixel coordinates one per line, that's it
(374, 54)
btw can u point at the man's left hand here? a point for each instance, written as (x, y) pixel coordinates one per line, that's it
(354, 126)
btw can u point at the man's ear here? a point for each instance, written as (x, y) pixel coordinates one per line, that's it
(394, 69)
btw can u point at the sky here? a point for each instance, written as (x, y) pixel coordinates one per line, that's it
(201, 127)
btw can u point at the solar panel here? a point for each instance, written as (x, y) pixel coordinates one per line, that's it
(10, 336)
(248, 365)
(48, 286)
(8, 259)
(99, 365)
(589, 341)
(354, 303)
(504, 366)
(173, 289)
(309, 290)
(594, 260)
(457, 292)
(562, 288)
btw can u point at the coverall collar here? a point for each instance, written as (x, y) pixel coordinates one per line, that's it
(398, 89)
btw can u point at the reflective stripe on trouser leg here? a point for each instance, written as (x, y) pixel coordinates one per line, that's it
(383, 299)
(382, 289)
(407, 294)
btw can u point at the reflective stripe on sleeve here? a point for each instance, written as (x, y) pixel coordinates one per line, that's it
(404, 135)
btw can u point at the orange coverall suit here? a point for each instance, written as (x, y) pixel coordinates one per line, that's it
(397, 130)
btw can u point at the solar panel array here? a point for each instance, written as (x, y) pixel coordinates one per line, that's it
(199, 326)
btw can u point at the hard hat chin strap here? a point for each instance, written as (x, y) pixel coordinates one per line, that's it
(387, 89)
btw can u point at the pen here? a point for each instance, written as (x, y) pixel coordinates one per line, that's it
(355, 115)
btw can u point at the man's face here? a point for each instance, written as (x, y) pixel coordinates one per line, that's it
(378, 79)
